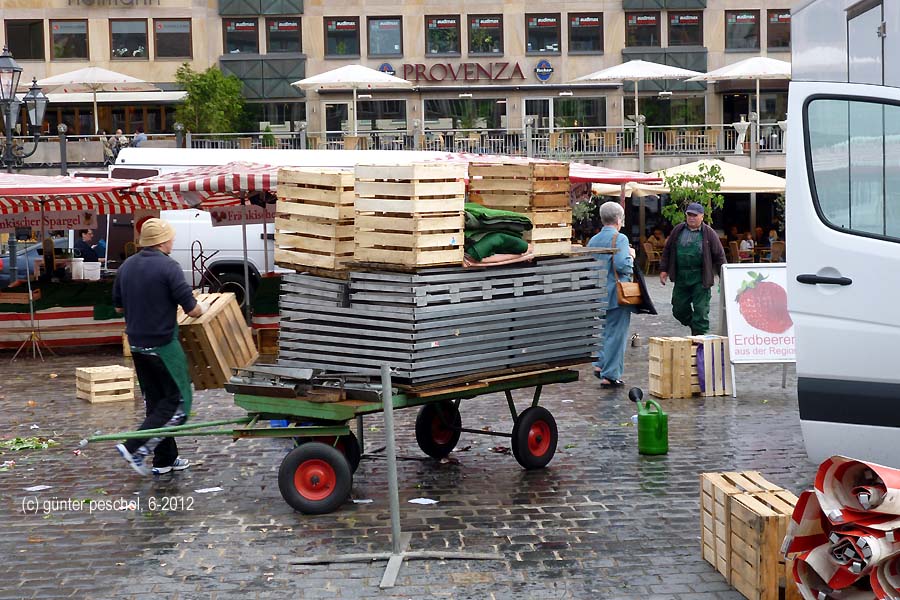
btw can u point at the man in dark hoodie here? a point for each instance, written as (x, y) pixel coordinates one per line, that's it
(693, 256)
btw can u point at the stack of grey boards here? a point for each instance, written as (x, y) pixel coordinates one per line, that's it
(444, 322)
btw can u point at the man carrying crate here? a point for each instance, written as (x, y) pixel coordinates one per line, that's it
(149, 288)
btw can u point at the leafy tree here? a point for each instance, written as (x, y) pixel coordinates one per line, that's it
(214, 103)
(685, 188)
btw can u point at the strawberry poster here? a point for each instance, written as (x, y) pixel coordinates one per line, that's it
(756, 309)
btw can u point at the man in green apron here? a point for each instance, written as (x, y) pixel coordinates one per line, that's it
(692, 257)
(149, 288)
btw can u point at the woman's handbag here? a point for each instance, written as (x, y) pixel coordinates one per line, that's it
(628, 293)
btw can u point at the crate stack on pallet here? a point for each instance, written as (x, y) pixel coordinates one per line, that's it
(410, 215)
(681, 367)
(314, 219)
(217, 341)
(438, 323)
(538, 190)
(744, 519)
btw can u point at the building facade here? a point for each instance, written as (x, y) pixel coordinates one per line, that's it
(474, 65)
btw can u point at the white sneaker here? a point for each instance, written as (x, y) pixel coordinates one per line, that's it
(180, 464)
(136, 461)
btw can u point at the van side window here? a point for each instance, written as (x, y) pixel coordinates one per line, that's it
(855, 162)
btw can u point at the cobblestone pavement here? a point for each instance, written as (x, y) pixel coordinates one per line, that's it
(600, 522)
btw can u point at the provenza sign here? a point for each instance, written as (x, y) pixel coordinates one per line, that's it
(492, 71)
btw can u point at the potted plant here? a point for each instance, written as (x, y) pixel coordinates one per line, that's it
(684, 188)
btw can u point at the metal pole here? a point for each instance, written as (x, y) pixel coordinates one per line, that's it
(8, 159)
(63, 158)
(754, 142)
(639, 140)
(529, 133)
(387, 398)
(179, 137)
(246, 265)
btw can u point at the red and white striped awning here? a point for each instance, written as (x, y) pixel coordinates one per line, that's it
(218, 185)
(31, 193)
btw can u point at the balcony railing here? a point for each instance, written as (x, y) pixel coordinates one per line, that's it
(561, 143)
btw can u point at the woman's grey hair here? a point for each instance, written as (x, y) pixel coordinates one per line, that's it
(610, 212)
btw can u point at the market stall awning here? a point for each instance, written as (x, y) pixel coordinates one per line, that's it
(32, 193)
(737, 180)
(212, 186)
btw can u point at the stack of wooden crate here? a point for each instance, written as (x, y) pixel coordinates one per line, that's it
(538, 190)
(217, 341)
(314, 219)
(744, 518)
(675, 371)
(410, 215)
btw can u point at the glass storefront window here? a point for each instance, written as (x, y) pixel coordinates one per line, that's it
(128, 38)
(685, 28)
(579, 112)
(586, 32)
(466, 113)
(69, 39)
(382, 115)
(385, 36)
(741, 30)
(241, 36)
(25, 39)
(283, 35)
(341, 36)
(173, 38)
(677, 110)
(779, 30)
(642, 29)
(442, 35)
(542, 33)
(486, 34)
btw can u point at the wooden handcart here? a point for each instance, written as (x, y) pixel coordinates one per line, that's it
(317, 475)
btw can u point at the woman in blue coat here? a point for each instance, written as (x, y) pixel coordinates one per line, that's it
(611, 358)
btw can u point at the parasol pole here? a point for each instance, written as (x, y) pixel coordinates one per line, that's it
(96, 116)
(354, 111)
(246, 265)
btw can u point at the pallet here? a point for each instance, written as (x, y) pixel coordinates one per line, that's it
(314, 219)
(670, 367)
(716, 367)
(744, 518)
(216, 342)
(410, 215)
(19, 297)
(112, 383)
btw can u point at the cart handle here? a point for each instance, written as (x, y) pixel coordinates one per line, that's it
(175, 429)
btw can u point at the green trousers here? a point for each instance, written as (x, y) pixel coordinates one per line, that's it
(690, 301)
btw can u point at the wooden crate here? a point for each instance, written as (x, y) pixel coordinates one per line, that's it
(670, 367)
(410, 215)
(716, 366)
(266, 341)
(520, 187)
(216, 342)
(20, 297)
(744, 518)
(552, 232)
(314, 219)
(111, 383)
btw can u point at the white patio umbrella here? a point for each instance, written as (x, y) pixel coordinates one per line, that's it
(757, 67)
(635, 71)
(93, 80)
(355, 77)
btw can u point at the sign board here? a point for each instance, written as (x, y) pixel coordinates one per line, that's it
(53, 220)
(760, 329)
(231, 215)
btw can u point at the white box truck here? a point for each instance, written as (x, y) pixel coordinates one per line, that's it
(843, 225)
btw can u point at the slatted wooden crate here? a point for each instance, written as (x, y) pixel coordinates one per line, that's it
(716, 369)
(552, 233)
(520, 187)
(314, 218)
(410, 215)
(744, 517)
(670, 367)
(19, 297)
(111, 383)
(217, 341)
(267, 341)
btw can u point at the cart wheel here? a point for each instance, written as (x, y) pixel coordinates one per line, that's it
(348, 445)
(315, 478)
(435, 438)
(534, 437)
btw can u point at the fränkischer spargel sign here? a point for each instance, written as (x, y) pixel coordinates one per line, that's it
(231, 215)
(63, 220)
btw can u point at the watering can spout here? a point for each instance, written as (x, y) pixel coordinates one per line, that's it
(635, 394)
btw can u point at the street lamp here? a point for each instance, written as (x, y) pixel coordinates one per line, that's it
(35, 104)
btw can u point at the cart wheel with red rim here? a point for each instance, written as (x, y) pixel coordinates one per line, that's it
(534, 437)
(438, 428)
(347, 444)
(315, 478)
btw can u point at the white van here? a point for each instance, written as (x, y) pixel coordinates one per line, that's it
(843, 223)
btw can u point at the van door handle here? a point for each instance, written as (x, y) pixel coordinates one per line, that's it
(814, 279)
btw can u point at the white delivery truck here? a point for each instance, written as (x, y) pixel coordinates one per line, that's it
(843, 224)
(223, 245)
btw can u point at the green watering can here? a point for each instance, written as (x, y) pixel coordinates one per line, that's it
(653, 425)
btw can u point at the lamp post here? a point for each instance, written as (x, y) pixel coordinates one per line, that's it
(179, 135)
(35, 104)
